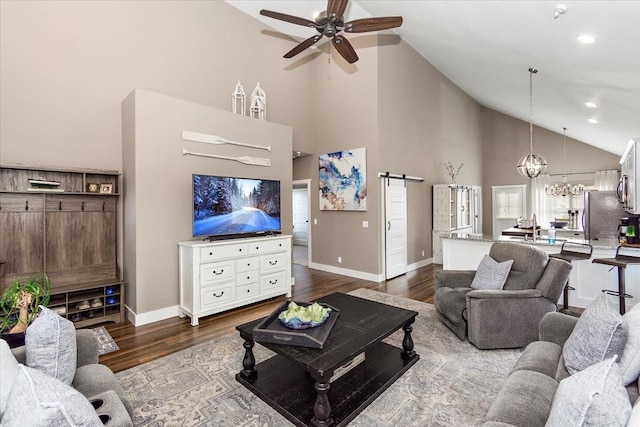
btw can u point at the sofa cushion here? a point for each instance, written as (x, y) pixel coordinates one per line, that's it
(540, 356)
(8, 373)
(524, 400)
(491, 274)
(37, 399)
(594, 396)
(630, 359)
(598, 335)
(51, 345)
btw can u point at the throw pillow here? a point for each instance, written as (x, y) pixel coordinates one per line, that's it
(8, 372)
(593, 397)
(36, 399)
(491, 274)
(598, 335)
(630, 359)
(51, 345)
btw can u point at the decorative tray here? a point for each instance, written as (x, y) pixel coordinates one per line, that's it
(273, 331)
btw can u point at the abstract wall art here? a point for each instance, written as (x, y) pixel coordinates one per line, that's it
(343, 180)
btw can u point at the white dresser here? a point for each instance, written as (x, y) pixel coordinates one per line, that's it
(221, 275)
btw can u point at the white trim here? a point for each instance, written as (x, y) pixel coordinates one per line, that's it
(152, 316)
(347, 272)
(306, 182)
(419, 264)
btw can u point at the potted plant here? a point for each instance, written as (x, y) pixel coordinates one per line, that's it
(19, 305)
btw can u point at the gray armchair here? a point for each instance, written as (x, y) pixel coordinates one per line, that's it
(506, 318)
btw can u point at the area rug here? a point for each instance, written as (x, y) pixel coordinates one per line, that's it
(453, 383)
(105, 342)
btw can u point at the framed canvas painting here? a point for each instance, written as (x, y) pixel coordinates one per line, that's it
(343, 180)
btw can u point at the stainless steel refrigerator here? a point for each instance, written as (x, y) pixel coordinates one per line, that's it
(601, 216)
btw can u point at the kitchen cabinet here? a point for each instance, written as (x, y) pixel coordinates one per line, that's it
(452, 211)
(628, 191)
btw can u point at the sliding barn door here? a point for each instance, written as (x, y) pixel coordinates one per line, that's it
(395, 196)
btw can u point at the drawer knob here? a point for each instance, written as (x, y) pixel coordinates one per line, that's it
(217, 274)
(248, 277)
(273, 262)
(273, 282)
(218, 296)
(248, 290)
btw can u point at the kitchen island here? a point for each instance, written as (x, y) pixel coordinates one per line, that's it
(465, 251)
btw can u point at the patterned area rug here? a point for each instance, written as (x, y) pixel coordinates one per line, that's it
(107, 344)
(453, 383)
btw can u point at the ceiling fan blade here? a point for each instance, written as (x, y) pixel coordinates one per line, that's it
(345, 49)
(372, 24)
(336, 7)
(302, 46)
(288, 18)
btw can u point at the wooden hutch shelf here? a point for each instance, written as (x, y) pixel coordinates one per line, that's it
(63, 222)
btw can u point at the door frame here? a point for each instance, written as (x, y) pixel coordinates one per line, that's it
(306, 183)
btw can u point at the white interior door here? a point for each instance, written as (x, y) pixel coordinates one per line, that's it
(395, 196)
(300, 217)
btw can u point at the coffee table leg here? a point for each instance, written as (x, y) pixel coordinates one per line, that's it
(322, 407)
(249, 361)
(407, 341)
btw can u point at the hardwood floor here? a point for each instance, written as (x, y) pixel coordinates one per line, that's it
(158, 339)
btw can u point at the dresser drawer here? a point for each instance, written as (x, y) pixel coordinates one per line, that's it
(248, 264)
(273, 281)
(247, 291)
(216, 272)
(212, 297)
(272, 262)
(247, 277)
(269, 245)
(215, 253)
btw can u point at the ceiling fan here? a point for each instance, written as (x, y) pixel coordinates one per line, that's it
(330, 23)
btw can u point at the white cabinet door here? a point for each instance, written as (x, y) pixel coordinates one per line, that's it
(509, 202)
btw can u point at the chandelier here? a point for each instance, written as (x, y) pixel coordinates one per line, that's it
(531, 165)
(564, 189)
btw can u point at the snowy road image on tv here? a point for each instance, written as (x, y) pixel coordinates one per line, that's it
(225, 205)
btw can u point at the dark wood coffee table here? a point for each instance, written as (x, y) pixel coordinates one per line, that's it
(296, 381)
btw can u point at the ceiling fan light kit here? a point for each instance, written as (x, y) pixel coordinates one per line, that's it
(531, 165)
(330, 24)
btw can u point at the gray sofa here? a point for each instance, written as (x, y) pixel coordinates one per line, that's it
(95, 381)
(527, 396)
(507, 317)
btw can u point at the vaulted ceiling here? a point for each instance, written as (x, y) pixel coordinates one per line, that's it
(487, 47)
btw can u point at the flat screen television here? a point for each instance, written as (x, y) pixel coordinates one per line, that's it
(226, 207)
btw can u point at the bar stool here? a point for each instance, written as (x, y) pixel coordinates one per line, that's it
(570, 255)
(620, 261)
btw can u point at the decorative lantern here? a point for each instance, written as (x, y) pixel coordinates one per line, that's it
(238, 100)
(258, 109)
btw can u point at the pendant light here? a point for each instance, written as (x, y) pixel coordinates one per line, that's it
(531, 166)
(564, 189)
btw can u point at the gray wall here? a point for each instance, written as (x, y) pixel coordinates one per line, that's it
(65, 67)
(506, 140)
(158, 183)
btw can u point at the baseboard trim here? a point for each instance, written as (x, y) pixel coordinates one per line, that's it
(419, 264)
(347, 272)
(151, 316)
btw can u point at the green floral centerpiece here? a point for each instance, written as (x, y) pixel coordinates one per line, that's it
(304, 317)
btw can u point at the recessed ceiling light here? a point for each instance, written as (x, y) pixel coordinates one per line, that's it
(586, 38)
(591, 104)
(594, 121)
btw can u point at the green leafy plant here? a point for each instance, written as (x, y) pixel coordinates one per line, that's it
(20, 301)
